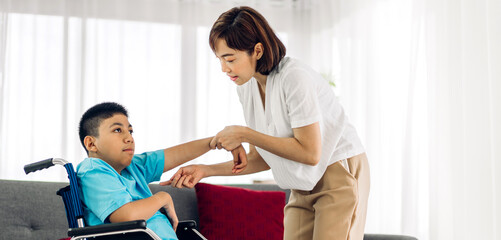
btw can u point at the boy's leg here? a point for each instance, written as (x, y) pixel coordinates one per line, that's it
(299, 217)
(342, 205)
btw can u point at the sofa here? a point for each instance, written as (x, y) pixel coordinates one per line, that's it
(32, 210)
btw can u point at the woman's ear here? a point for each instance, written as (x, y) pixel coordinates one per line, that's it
(90, 143)
(258, 50)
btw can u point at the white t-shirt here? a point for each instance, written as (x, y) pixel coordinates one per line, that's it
(298, 96)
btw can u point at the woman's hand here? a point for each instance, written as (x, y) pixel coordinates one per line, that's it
(229, 138)
(187, 176)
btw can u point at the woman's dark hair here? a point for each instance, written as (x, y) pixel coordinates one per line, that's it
(92, 118)
(242, 28)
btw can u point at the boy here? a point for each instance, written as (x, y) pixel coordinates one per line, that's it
(114, 181)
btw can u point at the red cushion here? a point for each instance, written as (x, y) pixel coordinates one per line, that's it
(239, 213)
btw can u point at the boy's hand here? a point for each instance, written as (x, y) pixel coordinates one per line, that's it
(239, 159)
(171, 212)
(187, 176)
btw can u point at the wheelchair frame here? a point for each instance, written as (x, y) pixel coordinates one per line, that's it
(137, 229)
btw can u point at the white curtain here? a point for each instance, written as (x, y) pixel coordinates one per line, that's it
(464, 62)
(61, 57)
(420, 80)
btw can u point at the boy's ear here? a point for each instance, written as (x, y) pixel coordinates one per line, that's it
(90, 143)
(258, 50)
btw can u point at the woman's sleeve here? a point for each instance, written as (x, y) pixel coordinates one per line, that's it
(301, 98)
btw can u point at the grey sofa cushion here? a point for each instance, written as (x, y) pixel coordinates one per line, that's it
(31, 210)
(185, 201)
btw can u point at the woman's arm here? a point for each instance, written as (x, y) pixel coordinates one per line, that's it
(190, 175)
(305, 147)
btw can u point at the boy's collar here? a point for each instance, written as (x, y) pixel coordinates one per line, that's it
(101, 160)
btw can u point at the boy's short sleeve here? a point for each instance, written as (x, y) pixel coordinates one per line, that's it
(102, 189)
(150, 164)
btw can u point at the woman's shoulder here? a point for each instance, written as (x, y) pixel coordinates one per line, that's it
(290, 67)
(292, 72)
(286, 65)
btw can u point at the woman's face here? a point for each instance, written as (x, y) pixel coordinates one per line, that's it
(238, 65)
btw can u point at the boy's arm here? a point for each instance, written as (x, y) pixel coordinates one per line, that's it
(145, 208)
(177, 155)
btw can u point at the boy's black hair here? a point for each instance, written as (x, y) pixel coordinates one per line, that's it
(92, 118)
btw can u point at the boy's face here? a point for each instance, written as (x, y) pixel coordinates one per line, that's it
(115, 144)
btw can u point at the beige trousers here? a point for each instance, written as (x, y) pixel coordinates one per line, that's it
(336, 207)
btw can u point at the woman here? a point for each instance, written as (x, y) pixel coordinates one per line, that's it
(296, 127)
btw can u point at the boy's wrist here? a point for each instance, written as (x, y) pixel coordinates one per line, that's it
(208, 143)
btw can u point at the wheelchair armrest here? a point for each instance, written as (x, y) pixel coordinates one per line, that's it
(188, 230)
(109, 227)
(187, 224)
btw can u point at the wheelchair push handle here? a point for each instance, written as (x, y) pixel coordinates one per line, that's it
(47, 163)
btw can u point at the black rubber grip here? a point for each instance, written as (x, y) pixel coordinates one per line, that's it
(32, 167)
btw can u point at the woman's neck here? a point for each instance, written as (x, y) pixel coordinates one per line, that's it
(261, 80)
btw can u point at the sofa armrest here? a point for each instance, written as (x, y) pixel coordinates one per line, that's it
(387, 237)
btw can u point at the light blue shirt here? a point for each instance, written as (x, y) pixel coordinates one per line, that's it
(103, 190)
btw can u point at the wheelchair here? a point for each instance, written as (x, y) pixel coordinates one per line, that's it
(137, 229)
